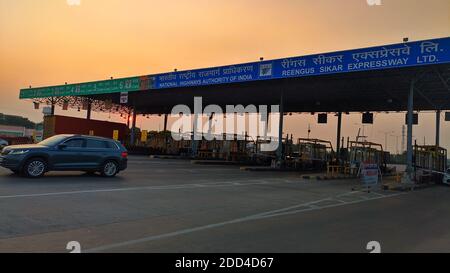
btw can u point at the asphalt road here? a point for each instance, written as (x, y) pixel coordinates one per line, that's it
(174, 206)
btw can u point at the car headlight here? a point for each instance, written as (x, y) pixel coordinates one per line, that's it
(18, 152)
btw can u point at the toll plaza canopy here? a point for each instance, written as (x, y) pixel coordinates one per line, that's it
(368, 79)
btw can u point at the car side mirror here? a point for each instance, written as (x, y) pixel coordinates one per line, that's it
(62, 146)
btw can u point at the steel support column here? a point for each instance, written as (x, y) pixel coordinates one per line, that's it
(165, 121)
(53, 102)
(196, 133)
(280, 131)
(133, 127)
(165, 132)
(195, 136)
(128, 118)
(409, 144)
(438, 127)
(338, 137)
(210, 122)
(89, 110)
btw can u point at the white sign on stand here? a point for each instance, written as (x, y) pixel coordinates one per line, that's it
(369, 173)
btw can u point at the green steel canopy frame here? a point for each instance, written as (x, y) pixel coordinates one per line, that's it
(86, 89)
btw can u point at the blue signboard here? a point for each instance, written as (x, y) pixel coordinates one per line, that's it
(391, 56)
(435, 51)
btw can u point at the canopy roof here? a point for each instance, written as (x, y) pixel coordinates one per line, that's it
(368, 79)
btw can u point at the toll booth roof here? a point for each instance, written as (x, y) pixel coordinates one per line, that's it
(369, 79)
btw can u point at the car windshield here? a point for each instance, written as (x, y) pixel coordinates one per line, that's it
(52, 141)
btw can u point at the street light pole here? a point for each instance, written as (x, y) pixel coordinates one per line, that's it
(397, 150)
(386, 133)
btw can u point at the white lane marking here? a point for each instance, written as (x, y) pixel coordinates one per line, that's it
(241, 183)
(259, 216)
(312, 203)
(313, 207)
(308, 204)
(376, 193)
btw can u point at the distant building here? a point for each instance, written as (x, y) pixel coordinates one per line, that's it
(16, 126)
(12, 131)
(18, 131)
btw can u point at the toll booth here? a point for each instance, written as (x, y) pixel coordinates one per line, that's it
(364, 151)
(211, 149)
(236, 149)
(184, 147)
(430, 163)
(230, 148)
(313, 154)
(156, 142)
(257, 153)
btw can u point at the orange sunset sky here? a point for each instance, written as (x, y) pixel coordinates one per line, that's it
(49, 42)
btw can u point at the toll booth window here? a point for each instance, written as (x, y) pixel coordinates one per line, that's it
(96, 144)
(74, 143)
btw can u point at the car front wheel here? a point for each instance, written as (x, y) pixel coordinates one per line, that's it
(110, 169)
(35, 168)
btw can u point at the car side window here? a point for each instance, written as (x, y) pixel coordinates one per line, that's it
(111, 145)
(74, 143)
(96, 144)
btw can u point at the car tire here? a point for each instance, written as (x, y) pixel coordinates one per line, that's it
(35, 168)
(110, 169)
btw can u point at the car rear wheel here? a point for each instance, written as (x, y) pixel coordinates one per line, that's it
(35, 168)
(110, 169)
